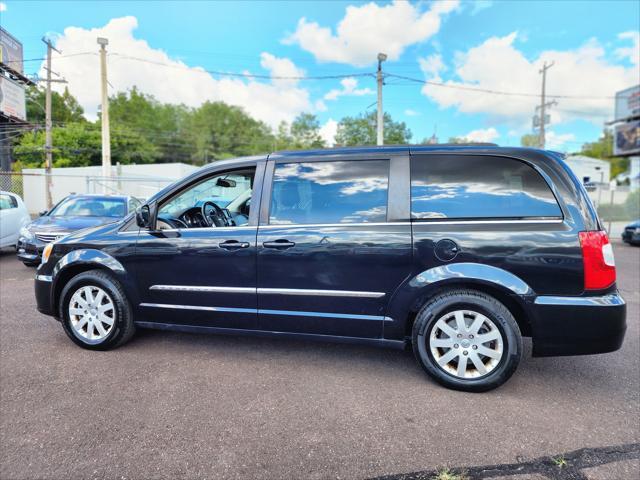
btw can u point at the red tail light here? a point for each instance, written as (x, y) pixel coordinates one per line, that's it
(597, 256)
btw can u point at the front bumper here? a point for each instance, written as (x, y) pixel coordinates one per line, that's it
(578, 325)
(43, 286)
(630, 236)
(30, 251)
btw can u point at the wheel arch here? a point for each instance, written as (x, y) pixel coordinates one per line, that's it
(79, 261)
(504, 286)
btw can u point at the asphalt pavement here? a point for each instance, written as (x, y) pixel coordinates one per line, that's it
(173, 405)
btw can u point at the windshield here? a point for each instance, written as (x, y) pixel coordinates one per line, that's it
(90, 207)
(221, 189)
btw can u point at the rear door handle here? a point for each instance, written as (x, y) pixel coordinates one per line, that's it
(282, 243)
(233, 245)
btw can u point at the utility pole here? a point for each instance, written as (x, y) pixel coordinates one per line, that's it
(106, 140)
(48, 145)
(543, 104)
(380, 120)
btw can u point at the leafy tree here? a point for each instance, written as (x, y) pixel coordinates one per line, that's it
(217, 130)
(80, 144)
(159, 124)
(457, 140)
(305, 131)
(530, 140)
(603, 149)
(64, 108)
(361, 130)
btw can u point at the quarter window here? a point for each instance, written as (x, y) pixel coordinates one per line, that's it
(330, 192)
(478, 187)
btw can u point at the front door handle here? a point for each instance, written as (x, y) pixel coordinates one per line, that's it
(233, 245)
(281, 243)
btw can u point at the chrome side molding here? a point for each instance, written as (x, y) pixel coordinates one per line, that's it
(347, 316)
(269, 291)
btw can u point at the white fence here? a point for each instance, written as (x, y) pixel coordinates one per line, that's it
(140, 181)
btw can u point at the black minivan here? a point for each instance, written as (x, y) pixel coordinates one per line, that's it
(459, 251)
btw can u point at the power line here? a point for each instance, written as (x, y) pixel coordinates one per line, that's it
(246, 75)
(497, 92)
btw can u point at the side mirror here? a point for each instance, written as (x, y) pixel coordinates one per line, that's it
(143, 216)
(43, 213)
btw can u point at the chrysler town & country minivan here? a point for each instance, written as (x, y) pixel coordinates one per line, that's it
(458, 251)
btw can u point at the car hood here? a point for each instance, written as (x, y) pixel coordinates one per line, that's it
(635, 224)
(68, 224)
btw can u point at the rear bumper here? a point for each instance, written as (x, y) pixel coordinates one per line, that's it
(578, 325)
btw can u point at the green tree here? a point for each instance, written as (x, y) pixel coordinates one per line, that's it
(603, 149)
(217, 131)
(361, 130)
(530, 140)
(64, 108)
(80, 144)
(305, 132)
(162, 125)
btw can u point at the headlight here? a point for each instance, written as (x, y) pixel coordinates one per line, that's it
(637, 229)
(47, 252)
(26, 233)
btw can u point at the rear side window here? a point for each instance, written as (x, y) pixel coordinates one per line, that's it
(330, 192)
(7, 202)
(478, 187)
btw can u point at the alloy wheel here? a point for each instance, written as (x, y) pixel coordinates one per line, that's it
(91, 314)
(466, 344)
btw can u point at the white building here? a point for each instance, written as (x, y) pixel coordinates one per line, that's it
(589, 170)
(141, 181)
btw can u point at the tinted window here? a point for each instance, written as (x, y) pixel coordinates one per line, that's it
(7, 202)
(478, 187)
(330, 192)
(90, 207)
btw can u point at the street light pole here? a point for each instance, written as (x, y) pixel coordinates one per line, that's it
(380, 119)
(106, 140)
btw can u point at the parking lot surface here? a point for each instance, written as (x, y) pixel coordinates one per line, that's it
(172, 405)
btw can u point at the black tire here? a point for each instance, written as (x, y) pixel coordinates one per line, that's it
(123, 327)
(453, 300)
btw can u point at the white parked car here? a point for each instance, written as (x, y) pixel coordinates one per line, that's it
(13, 217)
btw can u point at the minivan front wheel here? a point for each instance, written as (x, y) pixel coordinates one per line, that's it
(467, 340)
(95, 312)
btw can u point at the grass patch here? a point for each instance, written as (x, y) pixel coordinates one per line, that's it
(560, 461)
(446, 474)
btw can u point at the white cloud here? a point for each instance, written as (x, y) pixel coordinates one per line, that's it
(631, 53)
(411, 113)
(349, 87)
(368, 29)
(328, 132)
(3, 7)
(480, 5)
(497, 64)
(482, 135)
(556, 141)
(432, 66)
(175, 82)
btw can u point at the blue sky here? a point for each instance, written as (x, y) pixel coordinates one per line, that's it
(497, 45)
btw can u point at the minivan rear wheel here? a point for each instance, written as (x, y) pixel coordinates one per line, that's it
(95, 312)
(467, 340)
